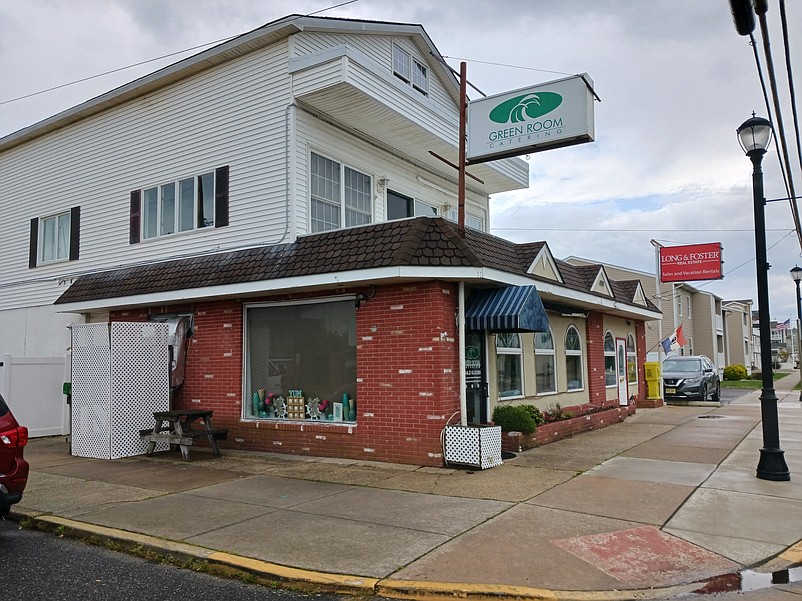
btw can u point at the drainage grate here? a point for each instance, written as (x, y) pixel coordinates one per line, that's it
(710, 416)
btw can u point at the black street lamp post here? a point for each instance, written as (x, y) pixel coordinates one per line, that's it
(754, 136)
(796, 275)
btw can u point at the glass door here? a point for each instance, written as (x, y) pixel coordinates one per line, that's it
(476, 377)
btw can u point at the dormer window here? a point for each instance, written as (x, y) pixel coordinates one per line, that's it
(410, 70)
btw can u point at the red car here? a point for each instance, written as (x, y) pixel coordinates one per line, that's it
(13, 468)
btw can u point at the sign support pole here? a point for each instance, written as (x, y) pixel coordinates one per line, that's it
(463, 118)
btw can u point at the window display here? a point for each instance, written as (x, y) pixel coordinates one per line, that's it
(301, 361)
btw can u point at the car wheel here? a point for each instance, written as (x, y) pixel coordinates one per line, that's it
(704, 393)
(717, 393)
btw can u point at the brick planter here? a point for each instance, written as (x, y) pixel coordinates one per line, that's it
(515, 442)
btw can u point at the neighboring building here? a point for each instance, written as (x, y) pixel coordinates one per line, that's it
(701, 314)
(279, 190)
(740, 349)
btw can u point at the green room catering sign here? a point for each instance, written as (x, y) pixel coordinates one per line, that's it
(549, 115)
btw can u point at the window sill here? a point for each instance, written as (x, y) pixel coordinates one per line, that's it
(299, 424)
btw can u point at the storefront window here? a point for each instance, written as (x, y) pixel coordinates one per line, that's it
(573, 359)
(545, 374)
(301, 361)
(632, 360)
(609, 360)
(508, 365)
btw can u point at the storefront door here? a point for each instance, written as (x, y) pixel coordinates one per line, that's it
(475, 377)
(621, 370)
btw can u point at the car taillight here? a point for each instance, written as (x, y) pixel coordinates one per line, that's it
(18, 437)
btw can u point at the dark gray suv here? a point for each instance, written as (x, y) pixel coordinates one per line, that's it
(692, 378)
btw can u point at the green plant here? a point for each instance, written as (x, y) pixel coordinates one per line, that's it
(535, 413)
(735, 372)
(514, 418)
(555, 413)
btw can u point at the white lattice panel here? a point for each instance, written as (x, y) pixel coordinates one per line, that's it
(478, 447)
(91, 417)
(119, 378)
(140, 383)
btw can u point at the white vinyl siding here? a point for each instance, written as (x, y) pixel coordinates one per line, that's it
(324, 140)
(231, 114)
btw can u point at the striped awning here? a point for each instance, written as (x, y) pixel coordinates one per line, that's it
(510, 309)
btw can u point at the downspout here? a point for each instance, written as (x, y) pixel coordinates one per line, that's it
(287, 178)
(463, 395)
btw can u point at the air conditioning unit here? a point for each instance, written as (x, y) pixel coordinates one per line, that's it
(475, 446)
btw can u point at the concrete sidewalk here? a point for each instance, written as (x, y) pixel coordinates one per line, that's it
(658, 506)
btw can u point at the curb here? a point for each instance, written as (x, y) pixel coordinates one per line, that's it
(231, 565)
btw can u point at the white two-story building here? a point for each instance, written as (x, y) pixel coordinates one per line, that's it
(285, 190)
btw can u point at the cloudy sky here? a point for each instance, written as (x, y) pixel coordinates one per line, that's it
(674, 78)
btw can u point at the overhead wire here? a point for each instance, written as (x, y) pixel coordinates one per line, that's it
(791, 89)
(761, 8)
(153, 60)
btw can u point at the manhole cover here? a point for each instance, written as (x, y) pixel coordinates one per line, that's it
(710, 416)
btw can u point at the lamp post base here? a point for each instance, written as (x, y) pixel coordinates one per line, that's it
(772, 465)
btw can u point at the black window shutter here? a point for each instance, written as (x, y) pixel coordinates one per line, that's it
(75, 232)
(133, 227)
(221, 196)
(34, 243)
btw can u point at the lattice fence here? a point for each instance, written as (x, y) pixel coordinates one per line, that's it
(119, 378)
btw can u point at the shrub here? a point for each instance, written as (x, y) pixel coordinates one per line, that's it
(735, 372)
(535, 413)
(514, 418)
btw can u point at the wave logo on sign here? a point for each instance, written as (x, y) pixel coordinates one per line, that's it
(531, 106)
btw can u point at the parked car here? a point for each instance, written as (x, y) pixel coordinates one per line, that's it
(13, 467)
(691, 378)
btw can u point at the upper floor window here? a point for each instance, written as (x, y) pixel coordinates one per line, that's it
(339, 195)
(609, 360)
(545, 372)
(54, 237)
(471, 221)
(410, 70)
(178, 206)
(688, 305)
(508, 365)
(400, 206)
(573, 359)
(678, 302)
(195, 202)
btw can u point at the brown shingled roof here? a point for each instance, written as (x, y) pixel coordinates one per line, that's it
(423, 241)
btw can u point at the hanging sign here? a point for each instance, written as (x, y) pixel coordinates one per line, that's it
(549, 115)
(691, 262)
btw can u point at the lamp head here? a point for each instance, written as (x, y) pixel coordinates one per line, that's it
(754, 135)
(796, 273)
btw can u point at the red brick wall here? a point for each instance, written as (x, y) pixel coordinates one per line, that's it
(407, 378)
(594, 333)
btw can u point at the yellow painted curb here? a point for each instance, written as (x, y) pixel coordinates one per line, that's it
(793, 554)
(417, 589)
(338, 581)
(448, 591)
(344, 584)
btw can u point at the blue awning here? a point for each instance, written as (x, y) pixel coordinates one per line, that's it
(510, 309)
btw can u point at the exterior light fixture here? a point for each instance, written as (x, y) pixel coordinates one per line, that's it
(796, 275)
(754, 136)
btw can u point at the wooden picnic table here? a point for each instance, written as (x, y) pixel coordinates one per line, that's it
(175, 428)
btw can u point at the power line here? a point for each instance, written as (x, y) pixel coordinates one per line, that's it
(152, 60)
(785, 164)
